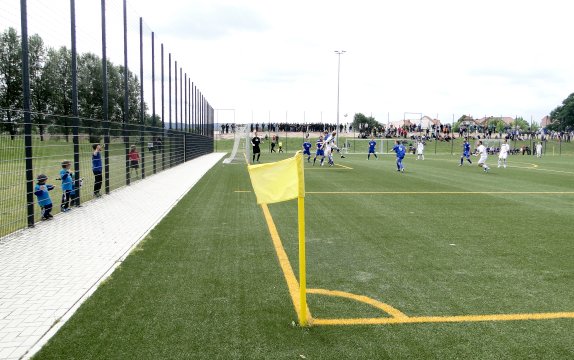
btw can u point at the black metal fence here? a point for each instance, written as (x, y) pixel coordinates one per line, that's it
(158, 149)
(75, 83)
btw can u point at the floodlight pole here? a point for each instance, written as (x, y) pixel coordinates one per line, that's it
(338, 52)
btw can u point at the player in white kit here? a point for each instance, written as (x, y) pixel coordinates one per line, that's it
(539, 149)
(420, 150)
(504, 149)
(483, 153)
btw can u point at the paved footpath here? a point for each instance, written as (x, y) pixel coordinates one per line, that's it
(46, 272)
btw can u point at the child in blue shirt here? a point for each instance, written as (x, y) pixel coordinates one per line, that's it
(41, 190)
(67, 185)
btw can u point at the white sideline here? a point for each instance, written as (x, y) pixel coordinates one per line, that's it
(48, 271)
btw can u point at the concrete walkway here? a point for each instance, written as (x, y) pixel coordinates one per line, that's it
(46, 272)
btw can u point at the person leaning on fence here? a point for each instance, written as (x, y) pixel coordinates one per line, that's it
(97, 168)
(41, 190)
(134, 157)
(67, 185)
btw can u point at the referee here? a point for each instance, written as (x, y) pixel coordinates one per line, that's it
(255, 141)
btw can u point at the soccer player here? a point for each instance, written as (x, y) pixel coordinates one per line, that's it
(320, 151)
(465, 152)
(400, 150)
(307, 149)
(255, 141)
(504, 149)
(420, 149)
(372, 145)
(483, 153)
(330, 145)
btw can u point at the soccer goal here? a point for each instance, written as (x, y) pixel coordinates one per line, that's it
(492, 145)
(241, 152)
(361, 146)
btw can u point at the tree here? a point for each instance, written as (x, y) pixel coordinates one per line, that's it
(563, 116)
(521, 124)
(58, 80)
(10, 79)
(90, 90)
(365, 124)
(464, 120)
(51, 89)
(39, 91)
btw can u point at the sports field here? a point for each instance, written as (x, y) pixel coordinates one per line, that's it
(439, 262)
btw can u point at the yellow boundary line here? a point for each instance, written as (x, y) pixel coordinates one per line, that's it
(431, 192)
(329, 167)
(364, 299)
(442, 192)
(396, 316)
(292, 282)
(344, 167)
(444, 319)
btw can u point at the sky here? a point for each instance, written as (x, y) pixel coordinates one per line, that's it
(275, 60)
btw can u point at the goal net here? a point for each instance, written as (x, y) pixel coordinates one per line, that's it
(361, 146)
(241, 152)
(492, 145)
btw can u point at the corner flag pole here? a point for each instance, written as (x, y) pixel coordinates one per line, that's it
(302, 267)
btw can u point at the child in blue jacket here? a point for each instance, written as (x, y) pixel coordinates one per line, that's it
(41, 190)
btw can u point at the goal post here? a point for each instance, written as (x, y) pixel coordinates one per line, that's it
(241, 152)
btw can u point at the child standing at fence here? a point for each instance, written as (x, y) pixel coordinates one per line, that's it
(134, 160)
(41, 190)
(67, 185)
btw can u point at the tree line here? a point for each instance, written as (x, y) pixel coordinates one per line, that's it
(51, 89)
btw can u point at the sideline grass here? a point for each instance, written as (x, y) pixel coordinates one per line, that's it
(206, 284)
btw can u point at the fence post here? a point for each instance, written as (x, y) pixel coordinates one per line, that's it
(27, 117)
(142, 103)
(185, 139)
(105, 111)
(126, 97)
(162, 108)
(175, 93)
(75, 119)
(154, 125)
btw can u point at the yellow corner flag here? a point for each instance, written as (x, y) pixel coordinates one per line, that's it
(278, 181)
(281, 181)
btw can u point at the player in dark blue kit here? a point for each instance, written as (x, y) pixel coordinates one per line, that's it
(372, 145)
(465, 152)
(400, 150)
(307, 149)
(320, 151)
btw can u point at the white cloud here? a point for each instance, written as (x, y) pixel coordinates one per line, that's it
(442, 57)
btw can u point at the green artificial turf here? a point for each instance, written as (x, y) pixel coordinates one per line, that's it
(437, 240)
